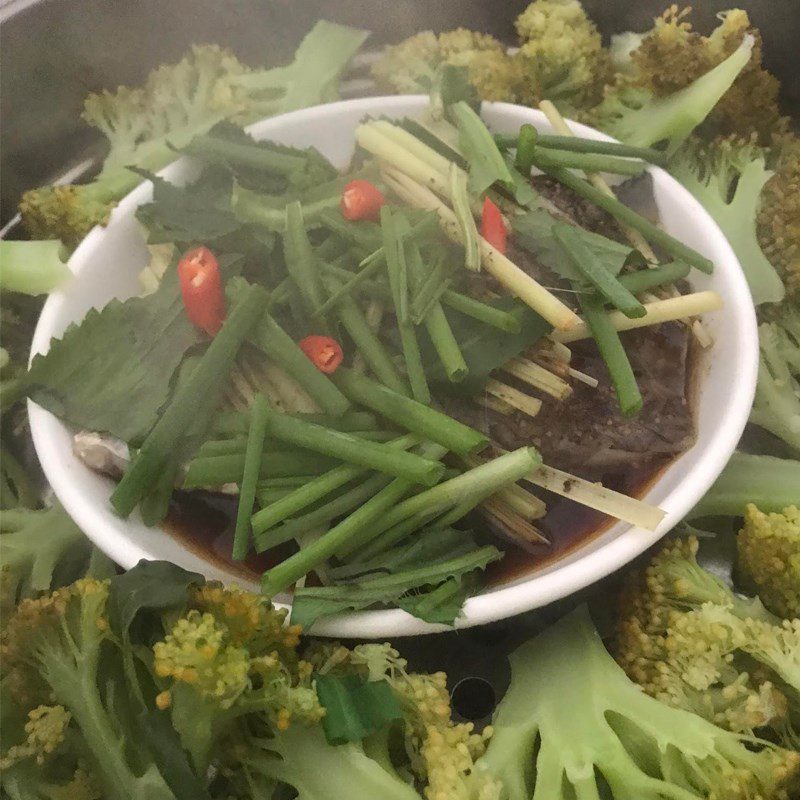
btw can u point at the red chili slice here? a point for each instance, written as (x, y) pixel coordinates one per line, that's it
(362, 200)
(324, 352)
(493, 226)
(201, 289)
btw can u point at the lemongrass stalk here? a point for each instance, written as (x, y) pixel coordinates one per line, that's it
(523, 502)
(408, 141)
(538, 377)
(514, 279)
(516, 525)
(495, 404)
(514, 397)
(658, 311)
(598, 497)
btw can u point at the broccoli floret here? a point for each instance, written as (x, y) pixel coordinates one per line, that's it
(636, 115)
(779, 215)
(562, 54)
(672, 55)
(679, 636)
(41, 550)
(56, 649)
(228, 656)
(728, 178)
(777, 402)
(573, 725)
(178, 102)
(411, 66)
(768, 547)
(440, 752)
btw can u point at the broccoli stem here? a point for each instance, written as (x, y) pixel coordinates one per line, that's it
(770, 483)
(31, 267)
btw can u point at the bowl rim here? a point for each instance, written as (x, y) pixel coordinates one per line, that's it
(499, 602)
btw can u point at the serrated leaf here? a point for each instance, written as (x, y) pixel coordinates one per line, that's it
(112, 371)
(534, 232)
(198, 212)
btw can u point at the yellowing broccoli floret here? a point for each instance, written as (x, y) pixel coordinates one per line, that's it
(562, 52)
(178, 102)
(688, 641)
(44, 733)
(251, 620)
(410, 67)
(672, 55)
(198, 651)
(779, 215)
(440, 752)
(769, 558)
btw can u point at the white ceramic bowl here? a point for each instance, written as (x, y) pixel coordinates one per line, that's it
(108, 261)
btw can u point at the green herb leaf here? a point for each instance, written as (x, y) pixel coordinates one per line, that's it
(439, 607)
(197, 212)
(534, 232)
(149, 586)
(313, 603)
(112, 371)
(355, 708)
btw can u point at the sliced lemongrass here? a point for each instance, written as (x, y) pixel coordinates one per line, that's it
(668, 310)
(598, 497)
(514, 279)
(584, 378)
(407, 140)
(495, 404)
(538, 377)
(516, 524)
(295, 399)
(514, 397)
(523, 502)
(386, 150)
